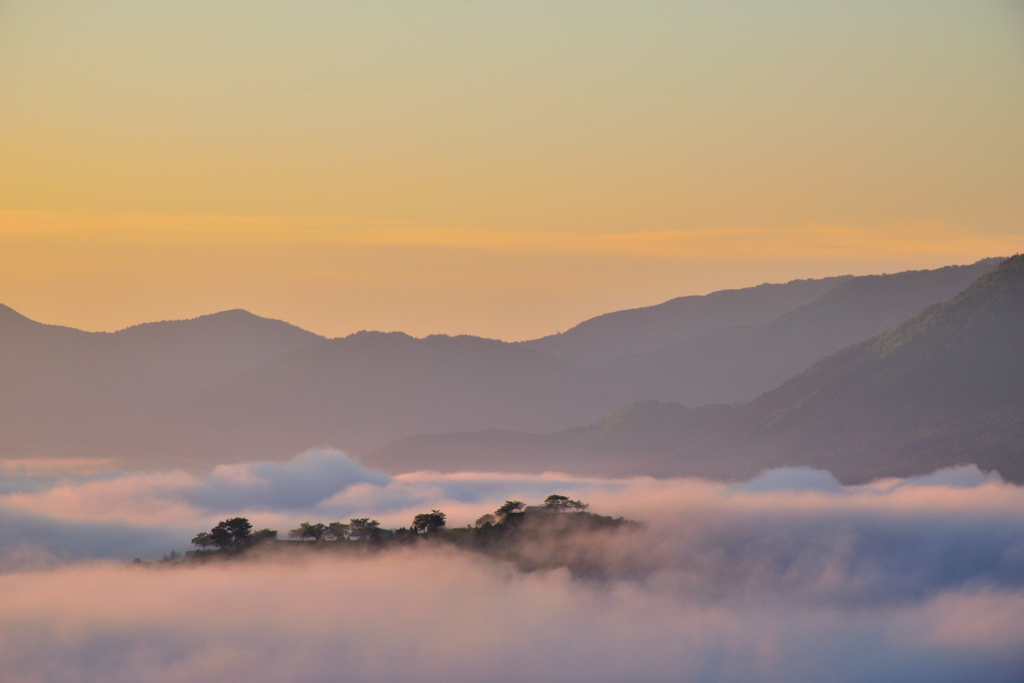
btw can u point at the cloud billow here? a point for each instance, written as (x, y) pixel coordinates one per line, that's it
(299, 484)
(446, 616)
(790, 576)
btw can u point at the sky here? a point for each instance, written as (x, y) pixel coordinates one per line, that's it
(501, 169)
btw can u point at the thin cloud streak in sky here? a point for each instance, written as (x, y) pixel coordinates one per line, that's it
(336, 277)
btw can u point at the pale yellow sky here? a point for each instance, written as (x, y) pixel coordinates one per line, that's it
(501, 169)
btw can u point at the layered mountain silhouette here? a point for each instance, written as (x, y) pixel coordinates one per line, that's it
(613, 336)
(68, 392)
(233, 386)
(739, 363)
(364, 390)
(944, 387)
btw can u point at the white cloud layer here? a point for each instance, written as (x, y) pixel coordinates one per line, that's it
(45, 504)
(447, 616)
(788, 577)
(66, 513)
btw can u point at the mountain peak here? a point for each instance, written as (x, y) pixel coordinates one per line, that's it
(992, 306)
(7, 313)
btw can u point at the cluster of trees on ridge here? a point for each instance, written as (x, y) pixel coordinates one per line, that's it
(235, 535)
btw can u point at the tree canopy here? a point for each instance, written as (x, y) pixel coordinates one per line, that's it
(232, 533)
(363, 528)
(509, 507)
(561, 503)
(315, 532)
(263, 535)
(426, 522)
(512, 520)
(338, 531)
(203, 540)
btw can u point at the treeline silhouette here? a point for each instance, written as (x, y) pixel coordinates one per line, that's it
(501, 533)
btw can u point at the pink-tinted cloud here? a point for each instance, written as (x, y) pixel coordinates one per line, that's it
(447, 616)
(787, 577)
(325, 485)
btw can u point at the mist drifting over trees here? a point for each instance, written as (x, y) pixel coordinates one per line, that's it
(789, 576)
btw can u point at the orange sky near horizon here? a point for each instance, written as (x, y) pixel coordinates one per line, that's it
(497, 169)
(109, 271)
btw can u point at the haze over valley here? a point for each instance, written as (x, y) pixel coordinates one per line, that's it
(231, 386)
(454, 341)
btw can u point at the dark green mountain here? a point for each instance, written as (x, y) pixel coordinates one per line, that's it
(945, 387)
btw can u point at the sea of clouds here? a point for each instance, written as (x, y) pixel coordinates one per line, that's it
(788, 577)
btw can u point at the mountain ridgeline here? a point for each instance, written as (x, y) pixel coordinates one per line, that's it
(65, 392)
(622, 334)
(944, 387)
(233, 386)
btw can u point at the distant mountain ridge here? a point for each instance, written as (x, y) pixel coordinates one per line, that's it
(737, 364)
(65, 391)
(233, 386)
(612, 336)
(945, 387)
(360, 391)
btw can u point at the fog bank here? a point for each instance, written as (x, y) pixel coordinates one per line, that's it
(787, 577)
(444, 616)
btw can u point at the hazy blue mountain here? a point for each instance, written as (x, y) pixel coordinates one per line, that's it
(233, 386)
(607, 337)
(361, 391)
(944, 387)
(737, 364)
(65, 390)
